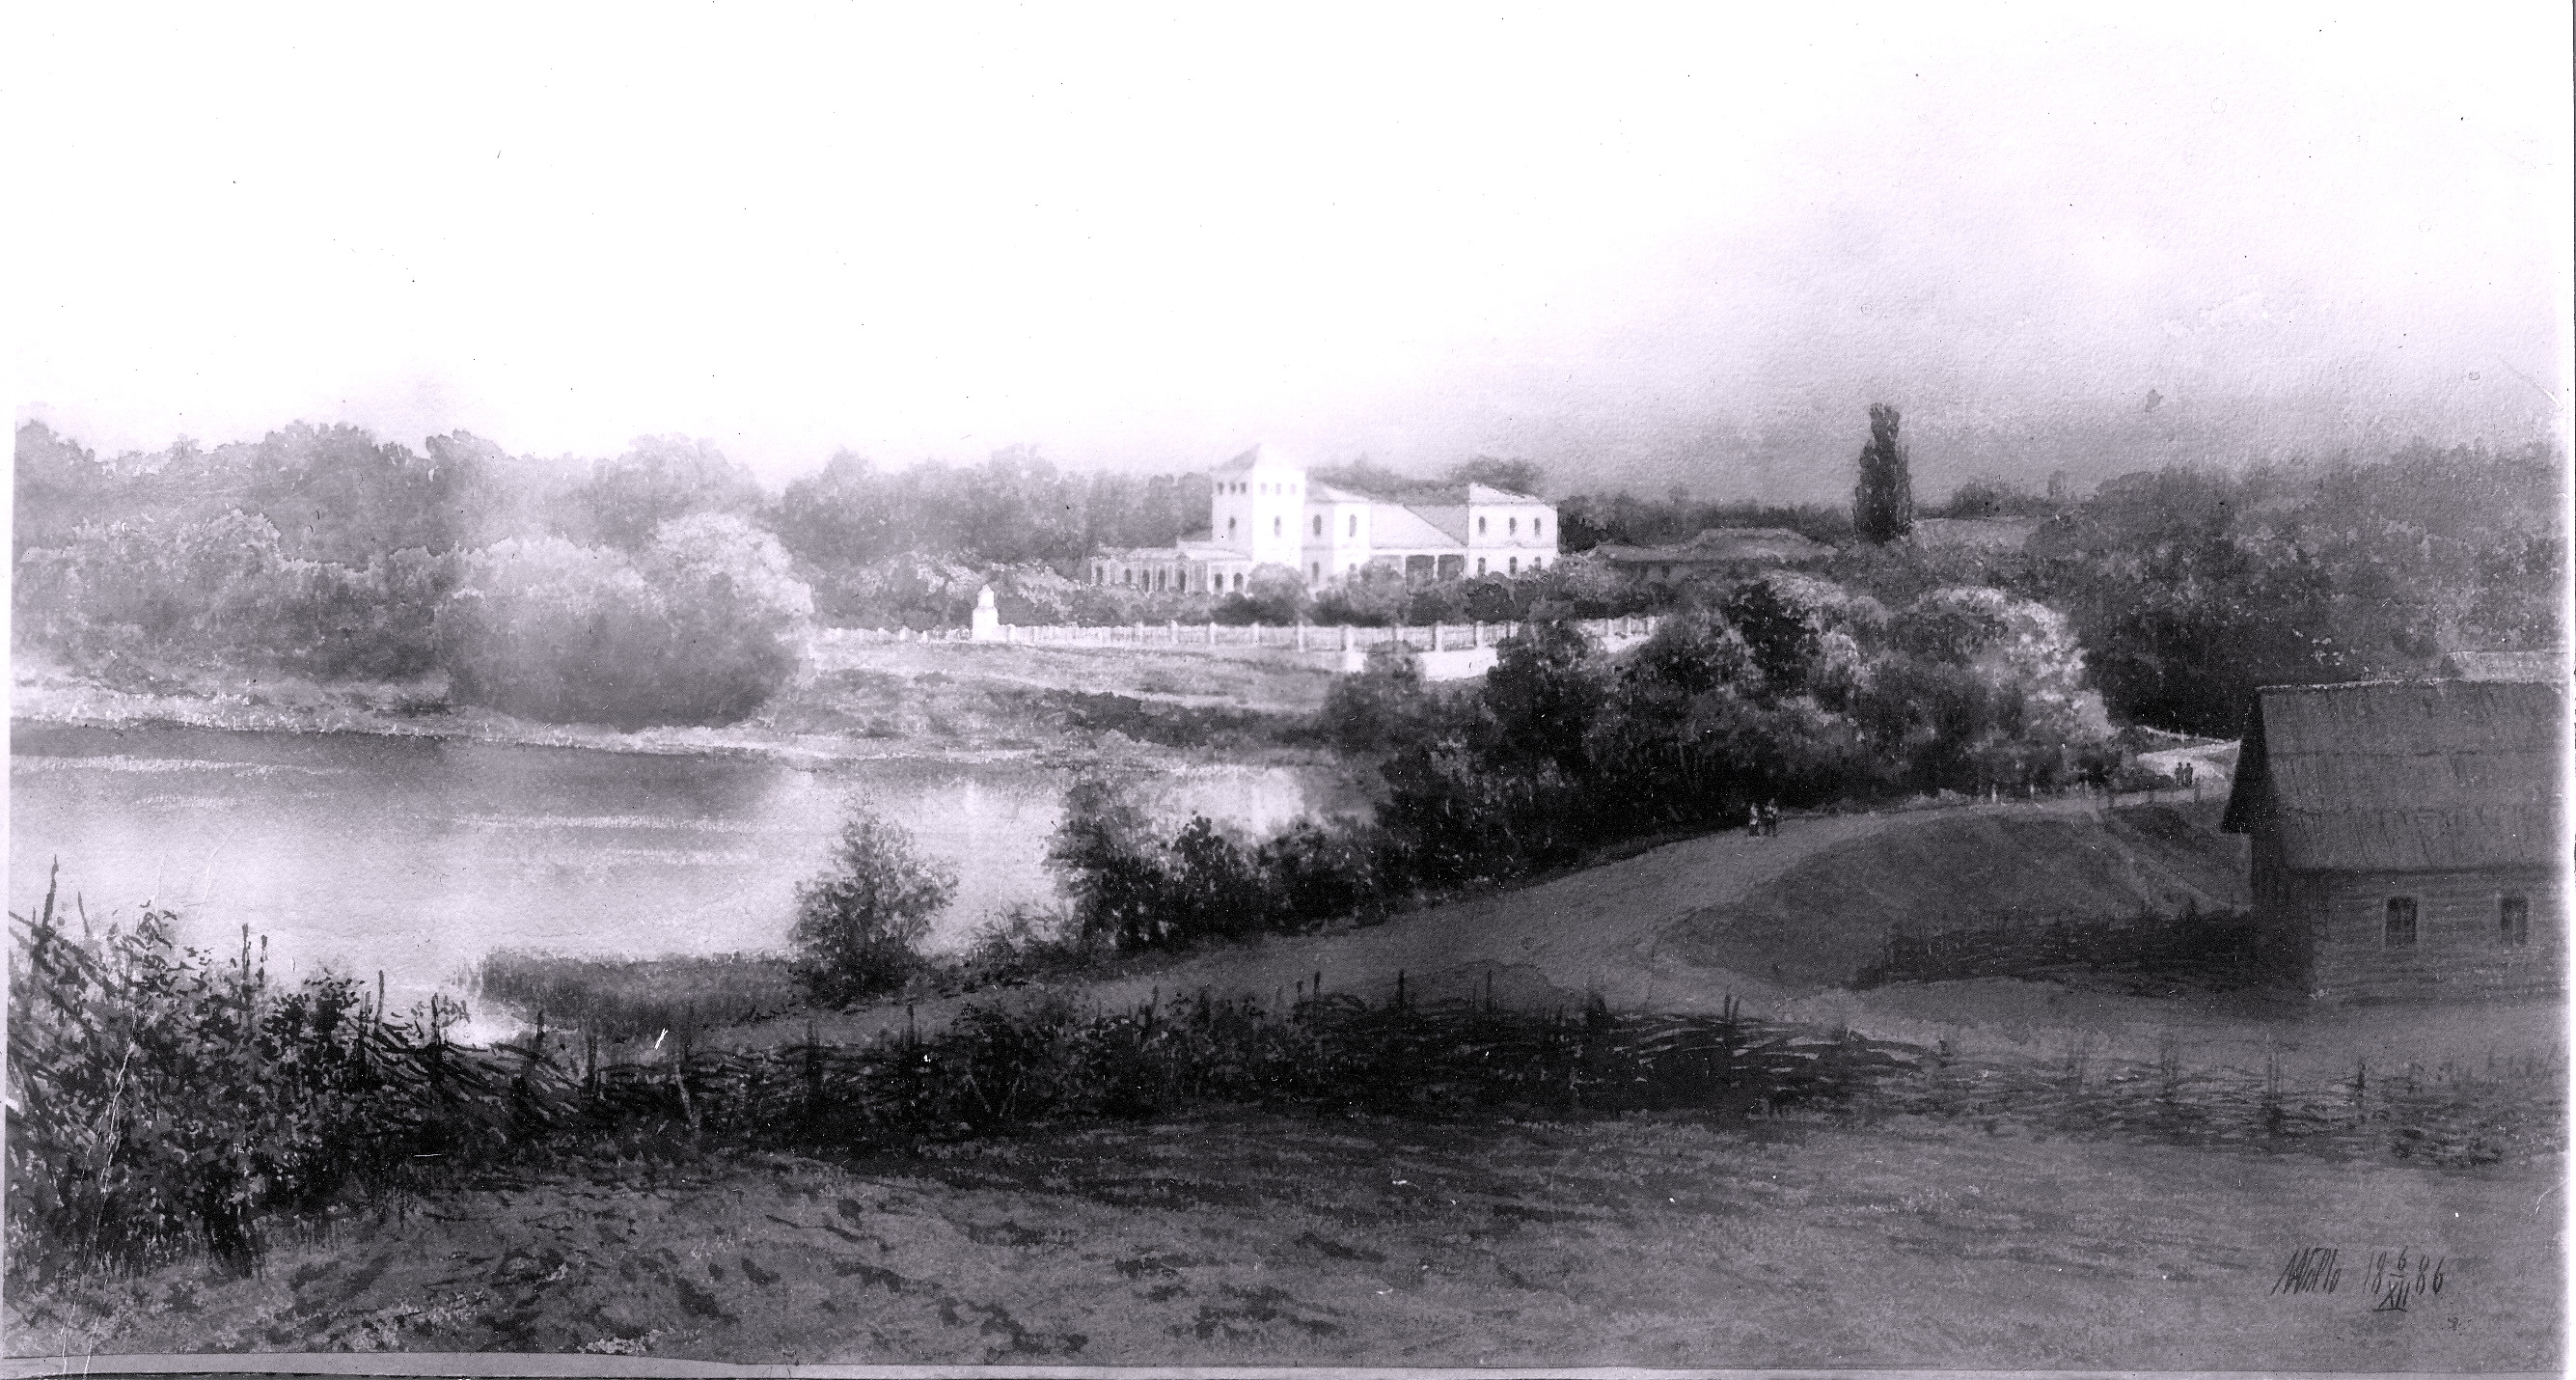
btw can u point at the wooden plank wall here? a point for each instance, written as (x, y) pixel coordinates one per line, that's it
(2456, 951)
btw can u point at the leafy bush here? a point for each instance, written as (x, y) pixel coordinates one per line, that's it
(705, 628)
(858, 925)
(1383, 706)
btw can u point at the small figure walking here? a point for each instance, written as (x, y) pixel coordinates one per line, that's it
(1771, 819)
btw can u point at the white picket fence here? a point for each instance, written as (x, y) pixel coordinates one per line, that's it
(1298, 637)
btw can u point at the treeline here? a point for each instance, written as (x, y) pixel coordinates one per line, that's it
(321, 551)
(1791, 689)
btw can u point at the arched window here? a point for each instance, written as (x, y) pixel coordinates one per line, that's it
(1238, 579)
(1512, 525)
(1229, 527)
(1516, 565)
(1480, 527)
(1319, 525)
(1355, 524)
(1277, 528)
(1480, 565)
(1538, 527)
(1126, 576)
(1315, 571)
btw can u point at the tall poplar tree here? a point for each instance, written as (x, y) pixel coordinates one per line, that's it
(1883, 501)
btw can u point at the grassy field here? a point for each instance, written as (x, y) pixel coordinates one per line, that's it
(1243, 1239)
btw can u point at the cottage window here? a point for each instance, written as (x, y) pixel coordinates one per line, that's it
(2513, 921)
(2399, 932)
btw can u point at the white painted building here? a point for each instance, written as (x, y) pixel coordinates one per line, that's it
(1264, 511)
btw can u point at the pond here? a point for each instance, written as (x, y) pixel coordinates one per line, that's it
(417, 856)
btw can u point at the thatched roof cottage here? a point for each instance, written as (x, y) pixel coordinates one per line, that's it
(2408, 836)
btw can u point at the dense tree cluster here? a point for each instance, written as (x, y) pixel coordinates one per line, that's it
(1789, 688)
(2189, 587)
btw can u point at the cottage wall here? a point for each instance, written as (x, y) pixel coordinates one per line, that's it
(2286, 913)
(2458, 948)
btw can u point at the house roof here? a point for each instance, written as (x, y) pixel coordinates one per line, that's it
(2406, 776)
(1999, 534)
(1261, 457)
(2548, 665)
(1719, 545)
(1395, 527)
(1329, 493)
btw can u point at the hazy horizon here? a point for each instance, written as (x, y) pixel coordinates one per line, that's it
(1654, 249)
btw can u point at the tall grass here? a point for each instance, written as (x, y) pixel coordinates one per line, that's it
(165, 1098)
(624, 999)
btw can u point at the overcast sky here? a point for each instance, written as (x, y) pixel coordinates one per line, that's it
(1676, 245)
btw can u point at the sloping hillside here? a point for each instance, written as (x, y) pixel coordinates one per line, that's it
(1684, 926)
(1817, 923)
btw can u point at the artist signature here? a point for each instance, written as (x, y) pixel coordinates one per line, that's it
(2394, 1280)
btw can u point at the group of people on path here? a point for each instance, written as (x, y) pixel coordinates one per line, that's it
(1763, 820)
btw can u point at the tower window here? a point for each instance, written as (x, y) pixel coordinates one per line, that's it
(1229, 527)
(1319, 526)
(1516, 565)
(1278, 527)
(2513, 921)
(1512, 525)
(1480, 565)
(2399, 930)
(1355, 524)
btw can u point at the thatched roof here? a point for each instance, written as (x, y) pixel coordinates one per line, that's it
(2542, 665)
(2406, 776)
(1722, 546)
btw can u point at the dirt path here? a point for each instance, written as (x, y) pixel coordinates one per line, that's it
(1659, 930)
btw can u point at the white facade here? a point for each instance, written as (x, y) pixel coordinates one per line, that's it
(1263, 511)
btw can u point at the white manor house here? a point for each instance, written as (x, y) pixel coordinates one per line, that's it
(1264, 511)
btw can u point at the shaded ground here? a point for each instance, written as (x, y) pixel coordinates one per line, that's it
(1264, 1239)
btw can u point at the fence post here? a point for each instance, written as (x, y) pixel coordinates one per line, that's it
(1346, 637)
(1301, 634)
